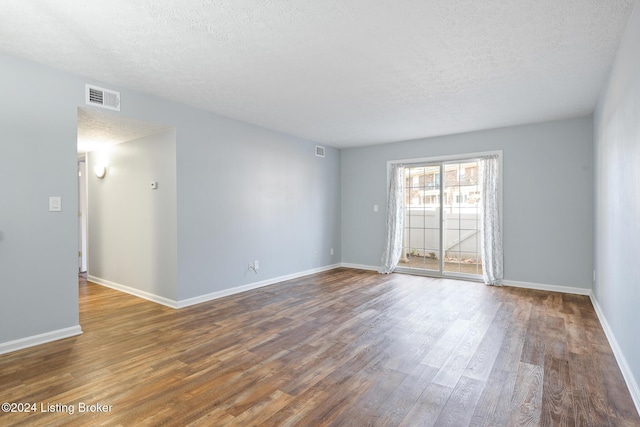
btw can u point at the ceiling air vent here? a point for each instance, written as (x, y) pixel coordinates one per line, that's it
(101, 97)
(319, 151)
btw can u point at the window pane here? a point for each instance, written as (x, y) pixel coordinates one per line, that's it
(423, 226)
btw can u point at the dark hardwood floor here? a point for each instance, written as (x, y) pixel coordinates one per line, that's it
(340, 348)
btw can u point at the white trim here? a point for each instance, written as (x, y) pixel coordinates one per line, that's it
(133, 291)
(238, 289)
(34, 340)
(513, 283)
(206, 297)
(360, 266)
(551, 288)
(450, 157)
(435, 274)
(627, 374)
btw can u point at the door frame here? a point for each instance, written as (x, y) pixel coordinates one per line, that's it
(442, 160)
(82, 214)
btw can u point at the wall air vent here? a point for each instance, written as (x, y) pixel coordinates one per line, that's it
(319, 151)
(101, 97)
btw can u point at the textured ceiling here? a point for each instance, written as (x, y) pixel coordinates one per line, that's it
(341, 72)
(96, 129)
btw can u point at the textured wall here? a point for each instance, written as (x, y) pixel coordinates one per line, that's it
(547, 197)
(617, 221)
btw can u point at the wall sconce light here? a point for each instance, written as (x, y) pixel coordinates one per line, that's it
(100, 170)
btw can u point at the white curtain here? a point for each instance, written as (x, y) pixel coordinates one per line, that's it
(491, 235)
(393, 244)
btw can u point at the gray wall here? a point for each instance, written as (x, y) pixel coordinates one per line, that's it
(244, 193)
(617, 221)
(132, 228)
(547, 197)
(38, 249)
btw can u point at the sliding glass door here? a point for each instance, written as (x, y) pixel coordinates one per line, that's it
(422, 225)
(442, 218)
(461, 213)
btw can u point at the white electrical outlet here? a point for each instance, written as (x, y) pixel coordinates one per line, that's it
(331, 251)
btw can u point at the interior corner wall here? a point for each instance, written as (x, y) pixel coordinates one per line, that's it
(617, 203)
(243, 192)
(132, 227)
(547, 197)
(38, 248)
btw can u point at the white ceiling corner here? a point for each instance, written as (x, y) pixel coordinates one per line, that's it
(343, 73)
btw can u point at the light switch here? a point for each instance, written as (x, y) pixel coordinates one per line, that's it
(55, 204)
(375, 208)
(154, 185)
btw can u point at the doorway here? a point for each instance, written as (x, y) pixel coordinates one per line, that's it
(96, 132)
(441, 233)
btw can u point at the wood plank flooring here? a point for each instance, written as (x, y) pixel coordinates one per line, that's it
(341, 348)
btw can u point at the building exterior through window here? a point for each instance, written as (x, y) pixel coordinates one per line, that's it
(457, 201)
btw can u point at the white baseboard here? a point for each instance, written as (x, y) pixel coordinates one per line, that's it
(133, 291)
(360, 266)
(31, 341)
(515, 284)
(632, 384)
(207, 297)
(238, 289)
(551, 288)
